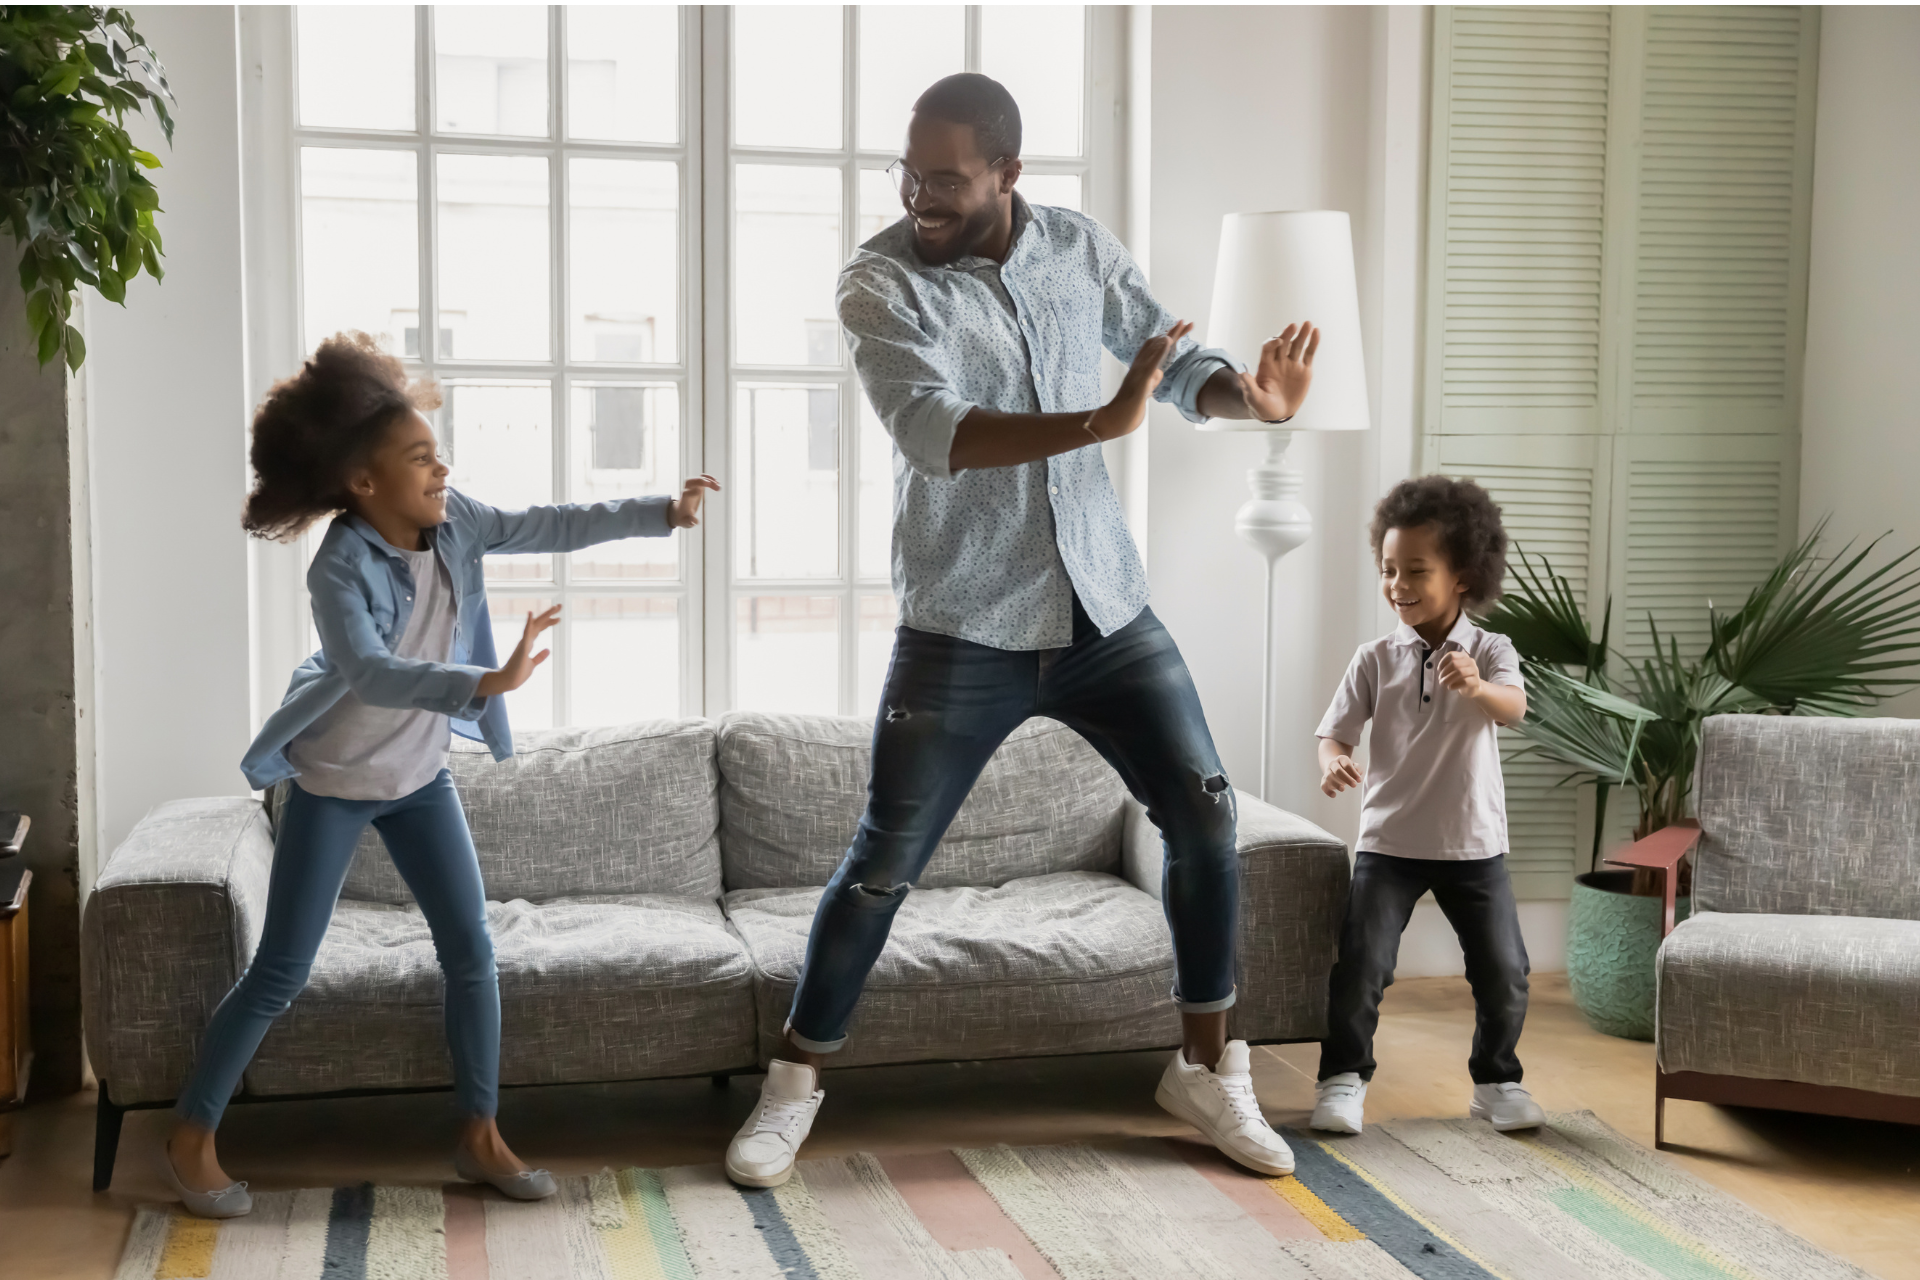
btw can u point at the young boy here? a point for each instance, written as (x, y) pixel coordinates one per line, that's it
(1433, 814)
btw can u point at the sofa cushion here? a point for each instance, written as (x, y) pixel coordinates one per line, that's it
(617, 809)
(792, 789)
(1073, 962)
(591, 988)
(1832, 1000)
(1808, 815)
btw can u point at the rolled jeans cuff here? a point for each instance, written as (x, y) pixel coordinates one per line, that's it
(1191, 1006)
(821, 1046)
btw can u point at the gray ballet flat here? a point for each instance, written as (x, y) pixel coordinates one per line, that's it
(533, 1184)
(231, 1201)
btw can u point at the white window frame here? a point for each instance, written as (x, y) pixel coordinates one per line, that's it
(707, 587)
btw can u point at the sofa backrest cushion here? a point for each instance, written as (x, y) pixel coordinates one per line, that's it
(793, 787)
(617, 809)
(1803, 815)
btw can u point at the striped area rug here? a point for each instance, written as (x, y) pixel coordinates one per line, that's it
(1433, 1199)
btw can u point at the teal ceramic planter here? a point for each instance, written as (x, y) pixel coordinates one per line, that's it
(1611, 940)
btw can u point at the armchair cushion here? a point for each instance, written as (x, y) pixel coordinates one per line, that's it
(1828, 1000)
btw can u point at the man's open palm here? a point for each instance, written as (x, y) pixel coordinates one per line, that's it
(1278, 386)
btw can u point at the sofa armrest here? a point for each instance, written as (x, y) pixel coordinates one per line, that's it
(1662, 852)
(169, 927)
(1293, 893)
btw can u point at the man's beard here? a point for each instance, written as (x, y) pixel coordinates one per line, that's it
(972, 234)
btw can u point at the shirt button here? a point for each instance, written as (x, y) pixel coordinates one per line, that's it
(1427, 698)
(1053, 489)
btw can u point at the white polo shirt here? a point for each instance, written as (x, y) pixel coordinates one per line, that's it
(1433, 787)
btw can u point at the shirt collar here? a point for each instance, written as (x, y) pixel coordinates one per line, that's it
(359, 525)
(1022, 216)
(1463, 631)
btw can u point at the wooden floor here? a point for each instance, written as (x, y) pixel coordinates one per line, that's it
(1850, 1186)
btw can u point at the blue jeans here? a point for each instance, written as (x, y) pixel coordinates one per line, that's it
(947, 705)
(426, 835)
(1477, 898)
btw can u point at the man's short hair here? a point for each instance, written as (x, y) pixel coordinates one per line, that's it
(970, 98)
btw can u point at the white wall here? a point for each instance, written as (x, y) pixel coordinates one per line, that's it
(167, 411)
(1860, 413)
(1298, 107)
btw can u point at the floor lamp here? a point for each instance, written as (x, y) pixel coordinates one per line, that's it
(1275, 269)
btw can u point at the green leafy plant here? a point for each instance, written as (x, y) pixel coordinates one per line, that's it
(71, 190)
(1826, 636)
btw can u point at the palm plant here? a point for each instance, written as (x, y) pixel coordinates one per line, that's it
(1821, 635)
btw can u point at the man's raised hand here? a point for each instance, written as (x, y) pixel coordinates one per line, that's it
(1277, 386)
(684, 511)
(1128, 408)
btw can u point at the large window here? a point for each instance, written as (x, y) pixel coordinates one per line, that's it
(612, 235)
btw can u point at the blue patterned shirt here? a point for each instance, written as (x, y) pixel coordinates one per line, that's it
(995, 555)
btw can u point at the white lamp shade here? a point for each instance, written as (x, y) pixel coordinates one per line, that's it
(1276, 269)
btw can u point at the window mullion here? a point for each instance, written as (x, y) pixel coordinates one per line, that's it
(973, 38)
(716, 357)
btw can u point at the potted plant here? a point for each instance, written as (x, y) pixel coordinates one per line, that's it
(71, 190)
(1820, 636)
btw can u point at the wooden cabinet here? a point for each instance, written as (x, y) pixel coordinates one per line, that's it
(16, 1045)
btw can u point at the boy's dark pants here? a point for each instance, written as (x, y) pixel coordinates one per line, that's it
(1477, 898)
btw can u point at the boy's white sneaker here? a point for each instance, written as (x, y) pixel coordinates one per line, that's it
(1221, 1105)
(763, 1152)
(1507, 1106)
(1339, 1103)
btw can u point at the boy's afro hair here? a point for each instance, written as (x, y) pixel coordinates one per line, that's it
(1468, 524)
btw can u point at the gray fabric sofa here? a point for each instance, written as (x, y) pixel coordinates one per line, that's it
(650, 887)
(1796, 981)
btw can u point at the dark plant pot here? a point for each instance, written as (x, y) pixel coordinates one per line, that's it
(1611, 940)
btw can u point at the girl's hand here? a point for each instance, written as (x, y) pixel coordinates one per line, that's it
(684, 511)
(1341, 773)
(1460, 673)
(518, 667)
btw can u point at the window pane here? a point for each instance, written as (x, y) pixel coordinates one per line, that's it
(356, 66)
(1059, 189)
(903, 50)
(786, 75)
(623, 658)
(879, 205)
(498, 438)
(1038, 52)
(531, 705)
(787, 258)
(623, 72)
(876, 495)
(878, 617)
(626, 442)
(787, 654)
(786, 482)
(490, 69)
(493, 257)
(625, 259)
(360, 245)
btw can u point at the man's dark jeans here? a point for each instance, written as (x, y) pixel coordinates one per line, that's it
(1477, 898)
(947, 705)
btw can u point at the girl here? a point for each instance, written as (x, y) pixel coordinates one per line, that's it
(406, 651)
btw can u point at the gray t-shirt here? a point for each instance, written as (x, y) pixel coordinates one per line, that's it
(357, 752)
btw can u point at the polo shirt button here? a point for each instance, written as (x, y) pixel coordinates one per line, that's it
(1427, 698)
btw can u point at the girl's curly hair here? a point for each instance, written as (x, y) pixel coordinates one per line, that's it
(1468, 524)
(314, 428)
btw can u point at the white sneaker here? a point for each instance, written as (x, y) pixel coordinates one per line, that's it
(1339, 1102)
(1508, 1106)
(1221, 1105)
(763, 1152)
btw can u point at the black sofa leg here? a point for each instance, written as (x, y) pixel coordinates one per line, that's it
(106, 1138)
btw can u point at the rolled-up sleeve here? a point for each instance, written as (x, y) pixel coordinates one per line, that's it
(899, 367)
(1133, 315)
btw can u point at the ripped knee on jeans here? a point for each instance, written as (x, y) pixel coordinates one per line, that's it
(875, 895)
(1215, 786)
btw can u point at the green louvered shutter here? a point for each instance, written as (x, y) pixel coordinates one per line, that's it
(1617, 227)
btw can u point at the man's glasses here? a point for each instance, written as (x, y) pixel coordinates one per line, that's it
(910, 184)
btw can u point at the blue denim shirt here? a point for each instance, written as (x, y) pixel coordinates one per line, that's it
(996, 555)
(363, 593)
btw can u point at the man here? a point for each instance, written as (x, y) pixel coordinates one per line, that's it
(976, 324)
